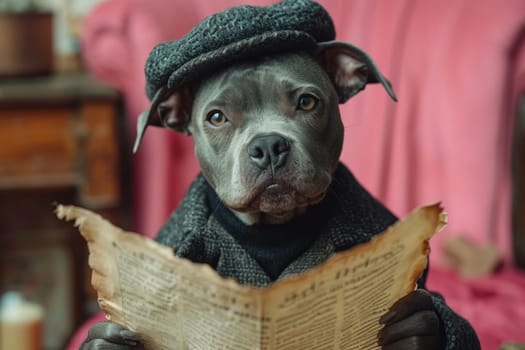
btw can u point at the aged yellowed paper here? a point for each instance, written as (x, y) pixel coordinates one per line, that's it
(174, 304)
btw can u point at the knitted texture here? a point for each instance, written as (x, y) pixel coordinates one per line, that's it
(196, 234)
(460, 334)
(237, 33)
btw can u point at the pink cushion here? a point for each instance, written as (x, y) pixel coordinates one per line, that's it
(494, 305)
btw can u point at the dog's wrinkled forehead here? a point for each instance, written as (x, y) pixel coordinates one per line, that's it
(243, 86)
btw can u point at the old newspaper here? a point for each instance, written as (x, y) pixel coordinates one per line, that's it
(173, 303)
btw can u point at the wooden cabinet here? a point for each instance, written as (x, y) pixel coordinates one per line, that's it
(59, 142)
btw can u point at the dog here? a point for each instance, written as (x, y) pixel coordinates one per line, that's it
(268, 136)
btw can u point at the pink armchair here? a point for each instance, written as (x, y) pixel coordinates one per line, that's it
(457, 67)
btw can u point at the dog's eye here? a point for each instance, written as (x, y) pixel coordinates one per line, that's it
(307, 102)
(216, 118)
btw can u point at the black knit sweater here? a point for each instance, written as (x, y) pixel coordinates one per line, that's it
(203, 231)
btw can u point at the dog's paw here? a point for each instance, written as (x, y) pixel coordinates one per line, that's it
(412, 324)
(110, 336)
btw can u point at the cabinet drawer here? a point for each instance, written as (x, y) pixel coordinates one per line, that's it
(37, 147)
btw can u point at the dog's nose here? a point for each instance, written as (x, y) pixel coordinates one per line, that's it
(270, 150)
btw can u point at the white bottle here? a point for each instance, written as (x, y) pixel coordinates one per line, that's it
(21, 323)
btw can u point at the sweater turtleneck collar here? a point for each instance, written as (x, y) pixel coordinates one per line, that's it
(273, 246)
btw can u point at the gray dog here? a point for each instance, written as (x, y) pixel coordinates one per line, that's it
(272, 199)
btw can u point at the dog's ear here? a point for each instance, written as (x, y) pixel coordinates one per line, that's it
(350, 69)
(169, 109)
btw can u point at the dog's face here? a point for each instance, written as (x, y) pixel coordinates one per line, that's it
(268, 135)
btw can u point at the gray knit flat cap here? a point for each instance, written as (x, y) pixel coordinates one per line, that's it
(235, 34)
